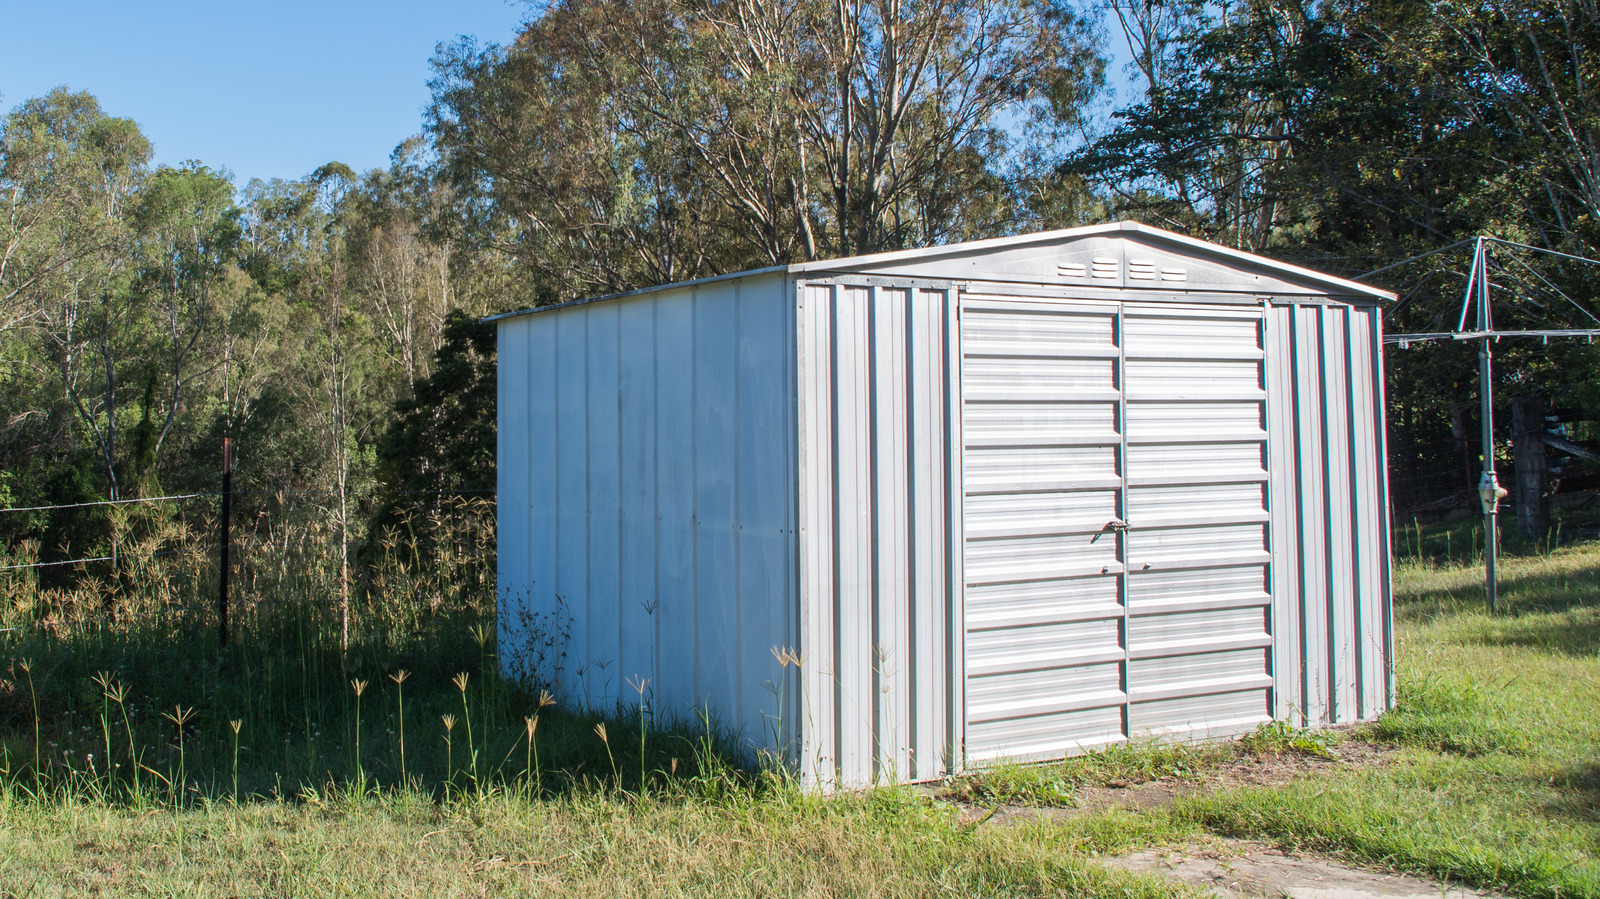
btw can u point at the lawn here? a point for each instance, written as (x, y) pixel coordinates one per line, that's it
(1488, 773)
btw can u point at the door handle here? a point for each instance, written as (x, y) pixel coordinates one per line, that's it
(1115, 525)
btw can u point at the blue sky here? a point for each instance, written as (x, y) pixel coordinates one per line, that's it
(265, 90)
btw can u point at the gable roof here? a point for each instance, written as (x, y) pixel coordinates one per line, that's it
(1117, 255)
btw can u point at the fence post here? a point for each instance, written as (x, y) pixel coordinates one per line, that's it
(1527, 435)
(227, 509)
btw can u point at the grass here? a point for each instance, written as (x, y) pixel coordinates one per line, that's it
(1496, 777)
(142, 759)
(886, 844)
(1492, 777)
(1057, 783)
(139, 757)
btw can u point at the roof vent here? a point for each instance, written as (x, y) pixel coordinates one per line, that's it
(1102, 267)
(1141, 271)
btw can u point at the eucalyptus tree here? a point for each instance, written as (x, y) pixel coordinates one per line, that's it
(616, 144)
(1525, 71)
(187, 231)
(1206, 147)
(70, 175)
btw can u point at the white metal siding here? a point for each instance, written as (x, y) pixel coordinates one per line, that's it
(647, 464)
(1198, 552)
(1330, 514)
(1042, 476)
(875, 430)
(1079, 636)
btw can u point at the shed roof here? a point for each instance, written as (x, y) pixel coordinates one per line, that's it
(1121, 255)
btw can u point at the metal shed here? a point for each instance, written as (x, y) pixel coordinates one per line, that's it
(1008, 499)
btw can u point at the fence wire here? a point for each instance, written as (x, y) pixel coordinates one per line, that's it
(244, 537)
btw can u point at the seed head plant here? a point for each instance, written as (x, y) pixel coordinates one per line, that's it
(119, 695)
(449, 746)
(639, 684)
(180, 717)
(399, 678)
(460, 680)
(27, 670)
(235, 724)
(600, 731)
(360, 687)
(532, 722)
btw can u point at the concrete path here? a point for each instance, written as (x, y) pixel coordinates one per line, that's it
(1249, 871)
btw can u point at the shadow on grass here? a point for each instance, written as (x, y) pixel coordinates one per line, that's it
(286, 709)
(1579, 793)
(1575, 633)
(1560, 589)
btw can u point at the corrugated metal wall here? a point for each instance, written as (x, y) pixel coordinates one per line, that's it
(1332, 644)
(646, 471)
(1080, 417)
(875, 389)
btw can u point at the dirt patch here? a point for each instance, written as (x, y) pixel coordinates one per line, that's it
(1237, 869)
(1241, 870)
(1244, 769)
(1277, 769)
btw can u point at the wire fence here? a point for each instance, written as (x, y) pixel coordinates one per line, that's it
(394, 553)
(234, 539)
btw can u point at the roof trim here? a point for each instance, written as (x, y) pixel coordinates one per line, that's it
(1343, 286)
(1336, 286)
(712, 279)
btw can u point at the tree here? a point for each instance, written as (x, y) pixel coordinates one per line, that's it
(188, 233)
(1208, 147)
(442, 438)
(617, 144)
(72, 174)
(1526, 75)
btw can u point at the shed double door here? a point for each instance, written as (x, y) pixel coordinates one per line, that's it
(1115, 523)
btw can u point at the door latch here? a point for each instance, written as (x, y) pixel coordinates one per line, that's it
(1115, 525)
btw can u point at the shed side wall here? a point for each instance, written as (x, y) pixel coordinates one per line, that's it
(874, 493)
(1331, 609)
(646, 502)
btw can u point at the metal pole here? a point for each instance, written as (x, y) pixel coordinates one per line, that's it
(227, 509)
(1489, 485)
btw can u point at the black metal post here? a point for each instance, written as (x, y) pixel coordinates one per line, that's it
(227, 509)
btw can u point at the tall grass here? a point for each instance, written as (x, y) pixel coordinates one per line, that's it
(141, 704)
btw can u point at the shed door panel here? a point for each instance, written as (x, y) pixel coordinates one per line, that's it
(1075, 417)
(1198, 628)
(1041, 476)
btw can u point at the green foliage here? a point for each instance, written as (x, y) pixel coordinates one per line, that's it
(1449, 716)
(1278, 737)
(1492, 782)
(146, 315)
(1348, 136)
(618, 145)
(443, 435)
